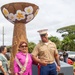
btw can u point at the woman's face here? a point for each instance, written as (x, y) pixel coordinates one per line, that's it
(23, 48)
(4, 51)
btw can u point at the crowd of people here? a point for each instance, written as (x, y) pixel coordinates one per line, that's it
(45, 54)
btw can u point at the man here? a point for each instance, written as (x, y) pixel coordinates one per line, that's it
(65, 55)
(45, 53)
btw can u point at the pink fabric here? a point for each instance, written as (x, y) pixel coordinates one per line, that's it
(22, 59)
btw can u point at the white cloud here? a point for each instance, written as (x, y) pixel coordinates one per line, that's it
(52, 15)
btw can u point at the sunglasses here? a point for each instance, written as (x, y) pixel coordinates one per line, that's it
(24, 46)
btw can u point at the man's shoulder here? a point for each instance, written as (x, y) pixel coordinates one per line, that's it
(41, 43)
(38, 44)
(51, 42)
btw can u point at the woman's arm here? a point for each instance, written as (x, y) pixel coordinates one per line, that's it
(2, 69)
(38, 61)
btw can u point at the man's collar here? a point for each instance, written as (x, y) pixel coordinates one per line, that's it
(42, 43)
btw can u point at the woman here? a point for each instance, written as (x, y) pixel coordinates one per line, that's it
(23, 60)
(3, 61)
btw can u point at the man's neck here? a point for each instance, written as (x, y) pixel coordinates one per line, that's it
(45, 41)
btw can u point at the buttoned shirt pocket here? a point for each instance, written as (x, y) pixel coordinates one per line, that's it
(42, 53)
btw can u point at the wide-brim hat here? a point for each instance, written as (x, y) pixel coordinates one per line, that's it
(43, 31)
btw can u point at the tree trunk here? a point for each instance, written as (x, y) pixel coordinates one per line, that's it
(18, 36)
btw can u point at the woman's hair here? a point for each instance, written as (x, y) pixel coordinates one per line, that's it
(22, 42)
(2, 48)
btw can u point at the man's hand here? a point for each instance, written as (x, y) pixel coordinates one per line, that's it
(58, 68)
(43, 62)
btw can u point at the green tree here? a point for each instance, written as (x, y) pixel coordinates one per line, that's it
(9, 48)
(55, 40)
(31, 46)
(66, 44)
(68, 35)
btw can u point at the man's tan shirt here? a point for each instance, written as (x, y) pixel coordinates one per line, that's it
(45, 51)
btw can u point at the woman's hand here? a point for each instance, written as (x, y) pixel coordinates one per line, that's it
(16, 74)
(5, 73)
(2, 69)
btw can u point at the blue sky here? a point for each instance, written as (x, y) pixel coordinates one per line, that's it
(53, 14)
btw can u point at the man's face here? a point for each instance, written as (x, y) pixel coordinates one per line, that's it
(44, 37)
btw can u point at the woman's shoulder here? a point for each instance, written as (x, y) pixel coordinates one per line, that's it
(1, 56)
(18, 54)
(30, 54)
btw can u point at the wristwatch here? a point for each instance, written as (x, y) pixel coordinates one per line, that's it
(58, 64)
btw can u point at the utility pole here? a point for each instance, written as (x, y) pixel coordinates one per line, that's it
(3, 35)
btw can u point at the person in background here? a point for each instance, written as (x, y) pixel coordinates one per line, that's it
(69, 61)
(3, 61)
(47, 54)
(65, 56)
(8, 54)
(61, 57)
(23, 60)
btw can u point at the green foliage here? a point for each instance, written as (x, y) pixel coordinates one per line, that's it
(9, 48)
(68, 42)
(55, 40)
(31, 46)
(65, 43)
(69, 29)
